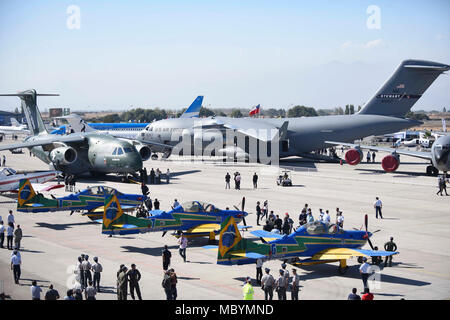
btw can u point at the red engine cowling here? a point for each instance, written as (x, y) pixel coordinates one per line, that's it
(390, 163)
(353, 156)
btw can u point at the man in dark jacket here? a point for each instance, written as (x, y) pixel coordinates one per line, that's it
(133, 277)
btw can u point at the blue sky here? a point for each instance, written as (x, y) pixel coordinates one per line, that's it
(235, 53)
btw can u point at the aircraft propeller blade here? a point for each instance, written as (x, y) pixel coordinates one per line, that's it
(243, 220)
(370, 243)
(164, 233)
(71, 212)
(243, 203)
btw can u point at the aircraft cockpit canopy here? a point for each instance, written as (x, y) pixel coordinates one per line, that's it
(101, 190)
(197, 206)
(319, 227)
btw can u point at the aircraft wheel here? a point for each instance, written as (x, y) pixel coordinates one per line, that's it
(429, 170)
(435, 171)
(342, 270)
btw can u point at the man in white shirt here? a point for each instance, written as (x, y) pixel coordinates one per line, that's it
(259, 264)
(295, 284)
(16, 261)
(175, 203)
(340, 220)
(183, 244)
(326, 217)
(11, 218)
(378, 205)
(35, 291)
(364, 271)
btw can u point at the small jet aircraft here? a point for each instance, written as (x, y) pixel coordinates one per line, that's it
(89, 199)
(10, 179)
(14, 128)
(319, 242)
(193, 218)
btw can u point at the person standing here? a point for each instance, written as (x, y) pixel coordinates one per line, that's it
(144, 189)
(364, 271)
(227, 181)
(259, 264)
(35, 291)
(122, 284)
(17, 237)
(11, 218)
(389, 246)
(281, 286)
(168, 176)
(2, 234)
(152, 176)
(134, 276)
(175, 204)
(86, 266)
(309, 216)
(149, 204)
(90, 292)
(373, 156)
(267, 284)
(248, 290)
(166, 255)
(158, 176)
(156, 204)
(378, 205)
(286, 225)
(255, 181)
(16, 261)
(326, 217)
(368, 156)
(51, 293)
(173, 284)
(265, 209)
(166, 284)
(278, 223)
(258, 212)
(238, 181)
(295, 285)
(4, 161)
(340, 220)
(183, 245)
(97, 269)
(9, 236)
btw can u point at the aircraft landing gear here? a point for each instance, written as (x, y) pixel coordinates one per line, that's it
(342, 269)
(432, 171)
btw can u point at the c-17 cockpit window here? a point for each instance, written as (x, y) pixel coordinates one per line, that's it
(119, 151)
(114, 152)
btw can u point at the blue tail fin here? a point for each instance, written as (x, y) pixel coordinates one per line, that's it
(194, 109)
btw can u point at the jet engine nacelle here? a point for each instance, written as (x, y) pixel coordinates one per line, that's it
(63, 155)
(390, 163)
(353, 156)
(144, 151)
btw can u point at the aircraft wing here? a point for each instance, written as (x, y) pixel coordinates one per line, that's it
(417, 154)
(345, 253)
(259, 130)
(266, 234)
(43, 142)
(211, 227)
(251, 255)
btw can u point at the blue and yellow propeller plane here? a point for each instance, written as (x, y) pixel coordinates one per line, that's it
(90, 200)
(193, 218)
(317, 242)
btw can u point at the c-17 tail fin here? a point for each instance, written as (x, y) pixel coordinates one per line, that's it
(194, 109)
(409, 81)
(29, 107)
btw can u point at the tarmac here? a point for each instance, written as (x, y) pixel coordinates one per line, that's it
(414, 215)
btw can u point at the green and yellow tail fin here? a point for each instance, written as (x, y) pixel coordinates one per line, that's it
(230, 238)
(26, 192)
(112, 212)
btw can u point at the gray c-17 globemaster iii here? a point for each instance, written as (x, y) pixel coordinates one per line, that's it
(77, 153)
(384, 113)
